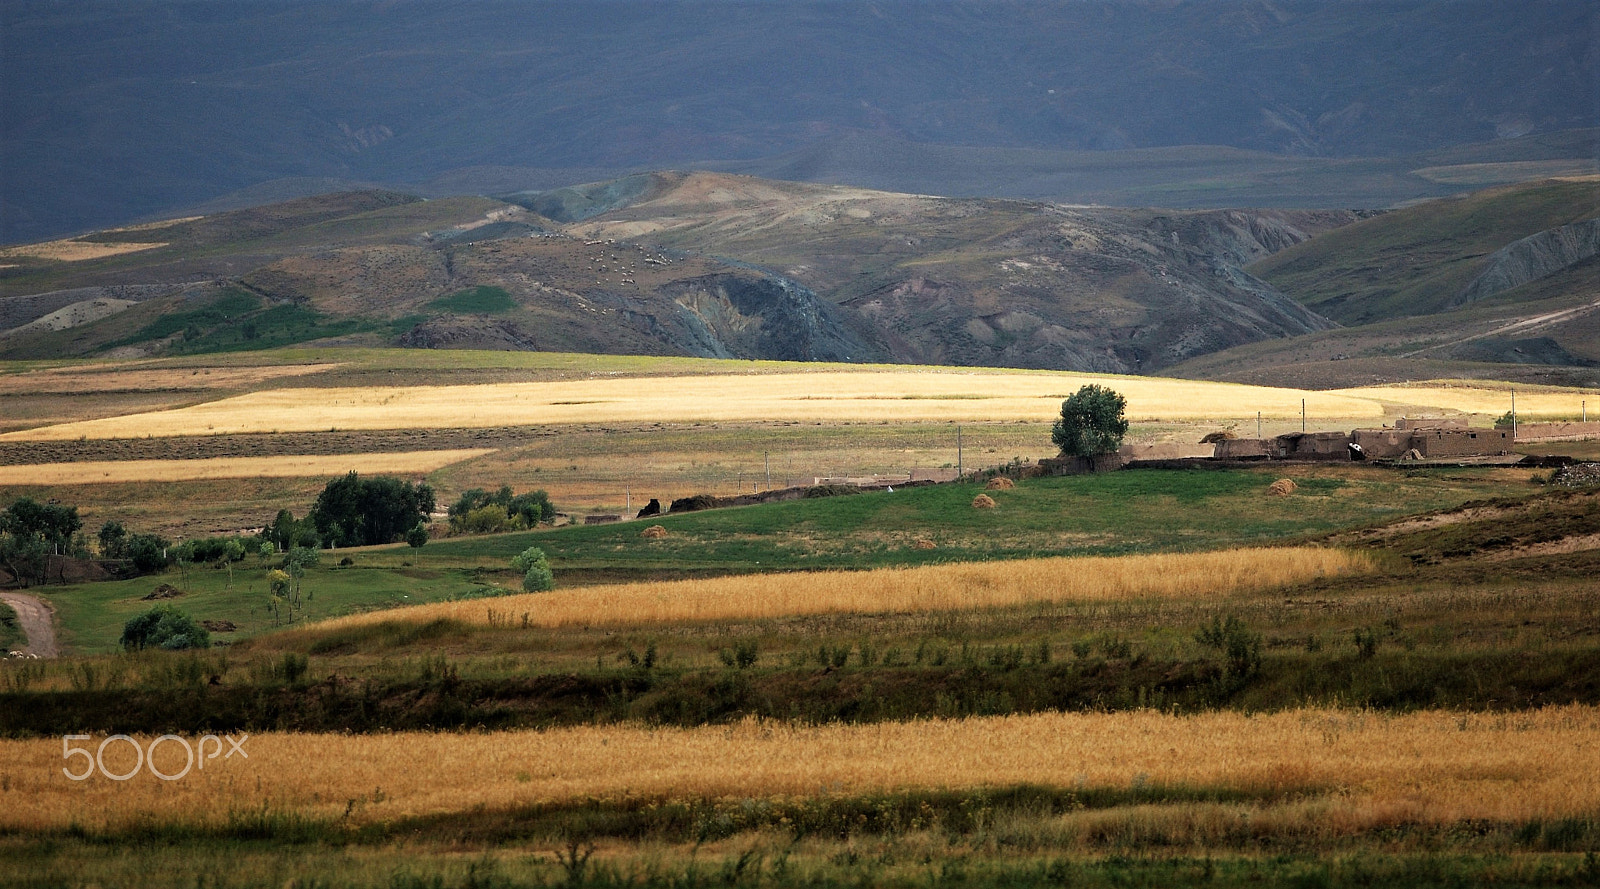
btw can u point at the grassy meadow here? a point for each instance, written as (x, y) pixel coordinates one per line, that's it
(1142, 678)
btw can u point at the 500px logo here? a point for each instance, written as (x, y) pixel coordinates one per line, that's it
(146, 756)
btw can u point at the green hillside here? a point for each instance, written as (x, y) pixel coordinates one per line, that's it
(1416, 260)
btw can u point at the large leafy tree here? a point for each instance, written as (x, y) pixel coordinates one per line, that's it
(1091, 422)
(355, 511)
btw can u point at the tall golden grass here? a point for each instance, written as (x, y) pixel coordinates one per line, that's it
(287, 466)
(891, 395)
(1359, 769)
(899, 590)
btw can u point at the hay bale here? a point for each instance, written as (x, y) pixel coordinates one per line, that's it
(1214, 437)
(923, 543)
(983, 501)
(1282, 487)
(1000, 483)
(654, 532)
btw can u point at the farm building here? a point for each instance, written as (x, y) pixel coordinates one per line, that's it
(1453, 440)
(1312, 446)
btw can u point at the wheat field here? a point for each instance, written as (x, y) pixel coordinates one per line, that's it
(288, 466)
(1485, 401)
(893, 396)
(1359, 769)
(1212, 575)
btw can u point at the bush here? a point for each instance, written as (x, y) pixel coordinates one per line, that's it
(468, 514)
(1231, 637)
(164, 627)
(538, 580)
(148, 552)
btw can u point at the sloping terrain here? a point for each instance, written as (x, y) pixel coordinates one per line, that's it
(700, 264)
(988, 282)
(379, 267)
(1502, 283)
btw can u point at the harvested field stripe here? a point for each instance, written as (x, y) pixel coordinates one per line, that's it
(1484, 401)
(1214, 575)
(1362, 770)
(944, 395)
(288, 466)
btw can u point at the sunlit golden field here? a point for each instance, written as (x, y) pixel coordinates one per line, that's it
(286, 466)
(1213, 575)
(893, 396)
(1357, 770)
(1486, 401)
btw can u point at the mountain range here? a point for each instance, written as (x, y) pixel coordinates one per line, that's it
(113, 112)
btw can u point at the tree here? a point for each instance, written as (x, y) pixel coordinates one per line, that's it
(417, 536)
(113, 541)
(1091, 422)
(534, 567)
(164, 627)
(148, 552)
(31, 532)
(355, 511)
(477, 511)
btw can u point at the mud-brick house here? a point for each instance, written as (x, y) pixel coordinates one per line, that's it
(1312, 446)
(1461, 442)
(1432, 441)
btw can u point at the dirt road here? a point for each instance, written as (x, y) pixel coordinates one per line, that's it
(37, 621)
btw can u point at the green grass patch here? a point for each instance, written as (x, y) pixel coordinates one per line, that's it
(1105, 514)
(11, 634)
(90, 616)
(481, 300)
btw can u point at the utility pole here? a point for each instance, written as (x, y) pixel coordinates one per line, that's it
(627, 498)
(766, 463)
(1302, 415)
(1513, 415)
(1258, 424)
(958, 453)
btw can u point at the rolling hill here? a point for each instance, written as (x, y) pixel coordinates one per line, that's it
(1504, 282)
(699, 264)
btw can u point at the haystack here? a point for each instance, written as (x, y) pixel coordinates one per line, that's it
(1214, 437)
(654, 532)
(983, 501)
(1000, 483)
(923, 543)
(1282, 487)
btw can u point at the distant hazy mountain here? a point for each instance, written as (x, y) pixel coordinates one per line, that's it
(114, 110)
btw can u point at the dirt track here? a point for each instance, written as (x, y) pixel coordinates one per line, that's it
(37, 621)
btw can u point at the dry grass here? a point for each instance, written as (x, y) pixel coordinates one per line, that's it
(74, 251)
(287, 466)
(1358, 770)
(139, 377)
(1485, 401)
(892, 395)
(1214, 575)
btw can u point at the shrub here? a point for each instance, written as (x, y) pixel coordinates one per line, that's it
(535, 567)
(164, 627)
(1231, 637)
(148, 552)
(538, 580)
